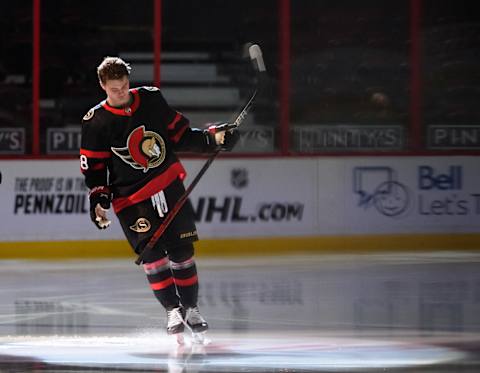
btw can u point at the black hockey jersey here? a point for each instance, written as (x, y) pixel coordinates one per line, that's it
(132, 150)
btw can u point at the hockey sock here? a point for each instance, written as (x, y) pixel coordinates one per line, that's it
(161, 282)
(184, 273)
(186, 281)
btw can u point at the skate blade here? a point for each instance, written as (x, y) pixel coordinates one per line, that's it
(200, 338)
(178, 338)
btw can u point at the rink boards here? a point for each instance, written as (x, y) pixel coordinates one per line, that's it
(262, 205)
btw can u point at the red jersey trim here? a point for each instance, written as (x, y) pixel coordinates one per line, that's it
(155, 185)
(171, 126)
(125, 112)
(98, 166)
(95, 154)
(180, 133)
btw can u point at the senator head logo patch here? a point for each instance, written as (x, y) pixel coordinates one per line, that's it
(144, 150)
(142, 225)
(89, 115)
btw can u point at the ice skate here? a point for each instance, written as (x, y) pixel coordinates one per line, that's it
(176, 323)
(197, 324)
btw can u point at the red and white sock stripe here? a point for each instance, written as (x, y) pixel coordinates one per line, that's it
(182, 265)
(157, 266)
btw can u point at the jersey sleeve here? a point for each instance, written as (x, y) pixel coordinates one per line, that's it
(95, 153)
(181, 135)
(187, 139)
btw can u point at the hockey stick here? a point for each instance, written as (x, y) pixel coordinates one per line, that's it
(257, 59)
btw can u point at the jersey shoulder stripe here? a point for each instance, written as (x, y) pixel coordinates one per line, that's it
(95, 154)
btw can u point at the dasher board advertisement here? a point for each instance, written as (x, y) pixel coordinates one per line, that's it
(47, 200)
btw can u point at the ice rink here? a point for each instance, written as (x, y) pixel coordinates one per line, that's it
(400, 312)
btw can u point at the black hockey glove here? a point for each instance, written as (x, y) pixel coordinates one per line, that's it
(100, 198)
(224, 134)
(230, 140)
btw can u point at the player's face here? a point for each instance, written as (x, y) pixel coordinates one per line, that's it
(117, 91)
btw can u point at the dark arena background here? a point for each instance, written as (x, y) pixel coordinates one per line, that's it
(341, 234)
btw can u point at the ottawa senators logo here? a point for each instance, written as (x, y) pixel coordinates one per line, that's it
(144, 150)
(142, 225)
(89, 115)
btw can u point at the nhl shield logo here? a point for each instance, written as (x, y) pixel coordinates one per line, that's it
(144, 150)
(239, 178)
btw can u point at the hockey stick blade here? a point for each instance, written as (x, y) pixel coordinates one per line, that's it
(257, 57)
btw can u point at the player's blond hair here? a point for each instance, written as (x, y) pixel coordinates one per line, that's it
(112, 68)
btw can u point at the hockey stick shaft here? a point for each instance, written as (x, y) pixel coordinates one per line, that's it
(181, 201)
(256, 56)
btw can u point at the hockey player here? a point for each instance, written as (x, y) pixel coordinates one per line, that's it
(128, 158)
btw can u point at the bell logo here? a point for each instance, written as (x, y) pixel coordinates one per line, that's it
(378, 186)
(429, 178)
(142, 225)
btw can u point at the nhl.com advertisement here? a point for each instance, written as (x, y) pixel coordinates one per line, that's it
(230, 208)
(245, 198)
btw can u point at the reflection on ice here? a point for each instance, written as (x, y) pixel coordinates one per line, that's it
(248, 353)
